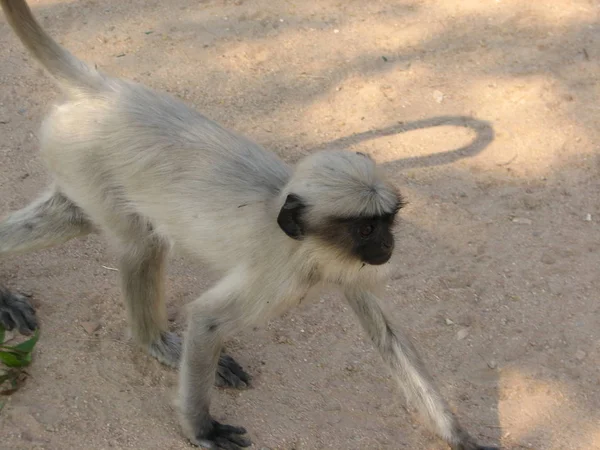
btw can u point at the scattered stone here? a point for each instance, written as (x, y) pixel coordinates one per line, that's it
(333, 407)
(172, 313)
(492, 364)
(351, 368)
(580, 355)
(282, 340)
(462, 334)
(438, 96)
(548, 259)
(90, 327)
(522, 220)
(449, 322)
(588, 217)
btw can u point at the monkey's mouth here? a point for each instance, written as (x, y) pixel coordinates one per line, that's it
(377, 259)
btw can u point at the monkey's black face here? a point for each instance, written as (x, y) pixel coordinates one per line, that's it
(373, 239)
(369, 239)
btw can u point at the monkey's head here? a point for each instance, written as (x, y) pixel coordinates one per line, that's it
(341, 202)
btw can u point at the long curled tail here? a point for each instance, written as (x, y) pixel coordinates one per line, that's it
(72, 74)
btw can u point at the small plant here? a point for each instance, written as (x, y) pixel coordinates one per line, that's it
(14, 359)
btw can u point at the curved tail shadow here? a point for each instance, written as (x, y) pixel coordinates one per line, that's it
(483, 129)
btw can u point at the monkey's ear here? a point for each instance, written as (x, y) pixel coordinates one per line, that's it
(290, 219)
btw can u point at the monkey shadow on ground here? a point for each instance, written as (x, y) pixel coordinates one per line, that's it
(484, 135)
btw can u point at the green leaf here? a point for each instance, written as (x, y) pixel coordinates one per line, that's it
(12, 359)
(11, 349)
(27, 346)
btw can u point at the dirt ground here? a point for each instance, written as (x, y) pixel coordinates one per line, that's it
(487, 115)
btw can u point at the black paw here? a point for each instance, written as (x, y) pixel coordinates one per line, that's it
(473, 446)
(223, 437)
(231, 374)
(17, 312)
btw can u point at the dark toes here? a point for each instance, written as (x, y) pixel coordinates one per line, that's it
(6, 321)
(225, 437)
(17, 312)
(231, 374)
(25, 320)
(229, 437)
(474, 446)
(229, 444)
(229, 429)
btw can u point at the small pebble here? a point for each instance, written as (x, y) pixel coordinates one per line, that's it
(492, 364)
(588, 217)
(462, 334)
(90, 327)
(548, 259)
(522, 220)
(449, 322)
(438, 96)
(580, 355)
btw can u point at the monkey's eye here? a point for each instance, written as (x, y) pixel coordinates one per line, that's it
(366, 230)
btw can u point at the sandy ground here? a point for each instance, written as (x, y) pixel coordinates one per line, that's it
(486, 113)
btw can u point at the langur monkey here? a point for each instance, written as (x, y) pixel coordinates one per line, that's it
(148, 172)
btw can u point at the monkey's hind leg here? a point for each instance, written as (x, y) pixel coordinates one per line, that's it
(142, 271)
(49, 220)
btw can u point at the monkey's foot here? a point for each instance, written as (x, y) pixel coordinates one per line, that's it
(16, 311)
(223, 437)
(167, 349)
(474, 447)
(230, 374)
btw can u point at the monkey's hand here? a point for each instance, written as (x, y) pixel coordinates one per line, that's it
(474, 446)
(16, 311)
(224, 437)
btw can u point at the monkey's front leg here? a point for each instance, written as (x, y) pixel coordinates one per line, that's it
(401, 356)
(212, 317)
